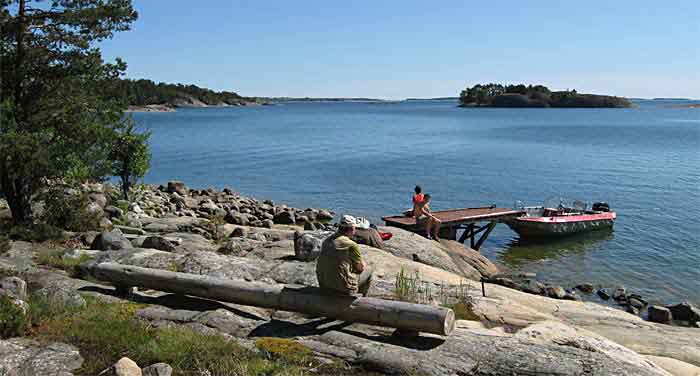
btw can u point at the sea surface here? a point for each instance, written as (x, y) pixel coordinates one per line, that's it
(364, 158)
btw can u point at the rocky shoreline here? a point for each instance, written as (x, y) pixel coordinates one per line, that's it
(509, 324)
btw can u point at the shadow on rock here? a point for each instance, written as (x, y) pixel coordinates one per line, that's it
(175, 301)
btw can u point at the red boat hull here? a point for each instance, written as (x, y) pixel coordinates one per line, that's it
(561, 225)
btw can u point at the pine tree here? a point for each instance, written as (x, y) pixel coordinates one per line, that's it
(58, 109)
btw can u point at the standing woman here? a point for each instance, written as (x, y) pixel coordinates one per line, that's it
(423, 215)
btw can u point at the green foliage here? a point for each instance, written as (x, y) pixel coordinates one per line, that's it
(406, 286)
(13, 320)
(55, 258)
(39, 232)
(285, 349)
(59, 108)
(70, 210)
(105, 332)
(145, 92)
(130, 156)
(498, 95)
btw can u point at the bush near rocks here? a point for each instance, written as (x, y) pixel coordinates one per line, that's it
(14, 321)
(105, 332)
(71, 211)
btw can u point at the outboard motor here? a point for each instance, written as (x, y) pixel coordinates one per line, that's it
(601, 206)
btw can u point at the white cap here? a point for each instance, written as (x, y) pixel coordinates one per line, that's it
(348, 220)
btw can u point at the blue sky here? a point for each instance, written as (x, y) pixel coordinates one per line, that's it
(399, 49)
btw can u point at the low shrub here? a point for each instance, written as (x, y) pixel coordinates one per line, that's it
(54, 258)
(14, 322)
(105, 332)
(70, 211)
(39, 232)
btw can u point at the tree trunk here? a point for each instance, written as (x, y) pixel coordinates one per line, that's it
(310, 300)
(18, 198)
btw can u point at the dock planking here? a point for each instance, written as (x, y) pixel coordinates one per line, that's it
(459, 219)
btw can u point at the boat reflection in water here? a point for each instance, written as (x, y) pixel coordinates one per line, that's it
(525, 250)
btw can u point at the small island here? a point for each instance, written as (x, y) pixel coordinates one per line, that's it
(498, 95)
(147, 96)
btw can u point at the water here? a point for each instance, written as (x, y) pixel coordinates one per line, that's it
(365, 158)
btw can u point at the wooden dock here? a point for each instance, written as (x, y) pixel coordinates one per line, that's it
(466, 219)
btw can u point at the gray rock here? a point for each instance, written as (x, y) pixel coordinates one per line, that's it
(660, 314)
(556, 292)
(158, 369)
(685, 312)
(99, 198)
(15, 287)
(309, 226)
(236, 218)
(636, 303)
(324, 215)
(23, 357)
(105, 224)
(239, 232)
(130, 230)
(620, 294)
(268, 223)
(632, 309)
(284, 218)
(533, 287)
(177, 187)
(603, 294)
(571, 295)
(307, 245)
(585, 288)
(110, 240)
(114, 212)
(161, 243)
(61, 293)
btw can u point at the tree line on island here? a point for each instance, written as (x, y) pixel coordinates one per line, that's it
(498, 95)
(143, 92)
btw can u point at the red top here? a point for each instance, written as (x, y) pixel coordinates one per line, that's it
(418, 198)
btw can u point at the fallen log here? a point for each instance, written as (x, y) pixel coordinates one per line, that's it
(309, 300)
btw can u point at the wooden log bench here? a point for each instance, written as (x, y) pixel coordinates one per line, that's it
(408, 317)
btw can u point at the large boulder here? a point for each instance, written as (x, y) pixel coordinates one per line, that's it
(660, 314)
(307, 245)
(685, 312)
(15, 287)
(161, 243)
(110, 240)
(61, 294)
(447, 255)
(285, 217)
(23, 356)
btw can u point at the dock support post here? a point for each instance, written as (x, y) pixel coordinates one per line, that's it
(485, 235)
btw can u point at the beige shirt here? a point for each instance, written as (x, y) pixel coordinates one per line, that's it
(335, 267)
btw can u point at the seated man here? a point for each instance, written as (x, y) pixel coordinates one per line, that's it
(340, 268)
(425, 217)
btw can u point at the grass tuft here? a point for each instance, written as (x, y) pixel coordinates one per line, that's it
(285, 349)
(55, 259)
